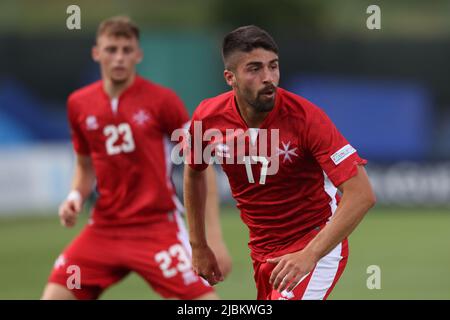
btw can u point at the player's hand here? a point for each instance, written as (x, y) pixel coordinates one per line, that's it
(205, 265)
(68, 212)
(290, 269)
(223, 256)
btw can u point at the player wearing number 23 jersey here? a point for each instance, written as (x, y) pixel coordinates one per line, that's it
(121, 128)
(135, 224)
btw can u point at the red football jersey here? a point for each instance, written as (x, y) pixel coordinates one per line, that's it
(128, 140)
(282, 206)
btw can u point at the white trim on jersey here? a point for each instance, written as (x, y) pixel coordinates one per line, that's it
(331, 190)
(253, 134)
(323, 275)
(114, 105)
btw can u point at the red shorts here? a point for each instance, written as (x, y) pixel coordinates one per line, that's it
(316, 286)
(98, 258)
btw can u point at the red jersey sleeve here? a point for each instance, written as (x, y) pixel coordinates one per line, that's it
(79, 141)
(196, 145)
(331, 150)
(173, 113)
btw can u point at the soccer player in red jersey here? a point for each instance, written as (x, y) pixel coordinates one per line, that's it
(121, 128)
(297, 221)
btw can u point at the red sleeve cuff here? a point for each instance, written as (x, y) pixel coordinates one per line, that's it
(340, 175)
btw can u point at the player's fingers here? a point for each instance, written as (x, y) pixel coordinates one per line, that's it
(68, 219)
(212, 281)
(296, 281)
(62, 215)
(61, 210)
(209, 276)
(217, 273)
(275, 271)
(288, 279)
(205, 273)
(72, 222)
(65, 210)
(68, 222)
(74, 206)
(64, 222)
(77, 206)
(280, 278)
(194, 268)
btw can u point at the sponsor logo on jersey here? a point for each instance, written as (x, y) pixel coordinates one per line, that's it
(60, 262)
(91, 123)
(342, 154)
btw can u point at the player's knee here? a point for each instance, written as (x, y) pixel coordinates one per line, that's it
(54, 291)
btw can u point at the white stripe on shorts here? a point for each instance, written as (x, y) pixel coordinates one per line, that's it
(182, 234)
(183, 237)
(323, 275)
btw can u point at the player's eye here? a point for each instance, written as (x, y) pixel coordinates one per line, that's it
(127, 50)
(110, 49)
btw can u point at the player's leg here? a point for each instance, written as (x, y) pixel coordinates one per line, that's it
(85, 269)
(164, 261)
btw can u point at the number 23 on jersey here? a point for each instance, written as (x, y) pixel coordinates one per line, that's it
(113, 132)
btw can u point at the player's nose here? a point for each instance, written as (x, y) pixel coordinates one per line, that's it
(120, 55)
(268, 76)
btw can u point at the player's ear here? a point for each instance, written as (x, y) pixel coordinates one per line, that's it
(229, 77)
(95, 53)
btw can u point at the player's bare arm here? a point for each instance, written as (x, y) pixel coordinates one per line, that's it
(213, 229)
(358, 197)
(204, 261)
(83, 181)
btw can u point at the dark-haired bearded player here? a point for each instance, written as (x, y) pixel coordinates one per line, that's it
(298, 223)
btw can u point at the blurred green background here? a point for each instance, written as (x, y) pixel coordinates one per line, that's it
(409, 245)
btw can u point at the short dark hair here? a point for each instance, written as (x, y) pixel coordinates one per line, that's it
(119, 26)
(246, 39)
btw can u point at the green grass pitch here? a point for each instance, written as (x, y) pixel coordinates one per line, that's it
(411, 246)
